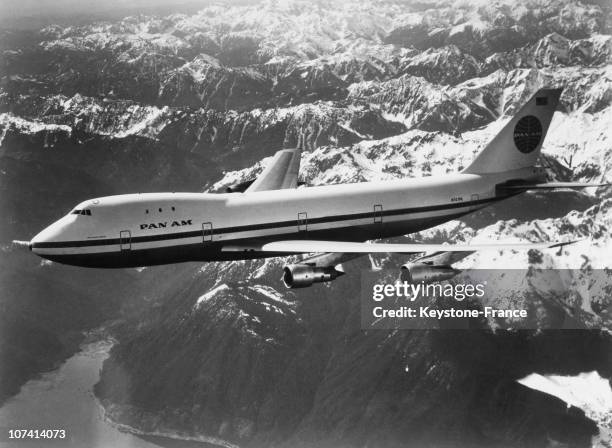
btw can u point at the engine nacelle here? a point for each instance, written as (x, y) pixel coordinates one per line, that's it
(427, 273)
(303, 275)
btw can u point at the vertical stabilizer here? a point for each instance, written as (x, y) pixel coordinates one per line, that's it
(518, 144)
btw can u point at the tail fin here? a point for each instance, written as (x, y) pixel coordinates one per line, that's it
(518, 144)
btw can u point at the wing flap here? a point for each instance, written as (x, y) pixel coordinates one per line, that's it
(281, 173)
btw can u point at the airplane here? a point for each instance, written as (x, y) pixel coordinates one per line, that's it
(271, 217)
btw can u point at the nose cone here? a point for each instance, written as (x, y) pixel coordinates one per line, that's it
(43, 243)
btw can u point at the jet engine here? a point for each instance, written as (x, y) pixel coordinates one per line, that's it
(427, 273)
(304, 275)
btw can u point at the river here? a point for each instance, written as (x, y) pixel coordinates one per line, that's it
(64, 399)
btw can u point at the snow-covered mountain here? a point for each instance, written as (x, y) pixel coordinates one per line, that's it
(369, 91)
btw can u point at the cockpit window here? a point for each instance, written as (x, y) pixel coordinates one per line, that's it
(85, 212)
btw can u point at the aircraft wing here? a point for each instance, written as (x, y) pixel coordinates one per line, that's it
(281, 173)
(310, 246)
(548, 186)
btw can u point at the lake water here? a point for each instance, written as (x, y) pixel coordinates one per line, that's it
(63, 399)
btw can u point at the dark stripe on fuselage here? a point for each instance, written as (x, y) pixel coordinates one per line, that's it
(213, 251)
(271, 225)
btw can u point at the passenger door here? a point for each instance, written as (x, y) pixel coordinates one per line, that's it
(378, 216)
(302, 222)
(207, 232)
(378, 220)
(125, 240)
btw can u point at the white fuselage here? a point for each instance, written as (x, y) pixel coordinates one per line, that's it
(157, 228)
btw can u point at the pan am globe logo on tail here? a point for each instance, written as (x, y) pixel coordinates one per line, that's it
(527, 134)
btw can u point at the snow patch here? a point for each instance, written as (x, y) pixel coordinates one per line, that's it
(270, 293)
(210, 294)
(587, 391)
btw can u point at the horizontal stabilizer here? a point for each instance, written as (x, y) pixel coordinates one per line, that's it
(310, 246)
(548, 186)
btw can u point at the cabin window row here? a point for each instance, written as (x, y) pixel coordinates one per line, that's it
(160, 210)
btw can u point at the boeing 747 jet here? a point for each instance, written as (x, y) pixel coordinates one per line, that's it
(271, 217)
